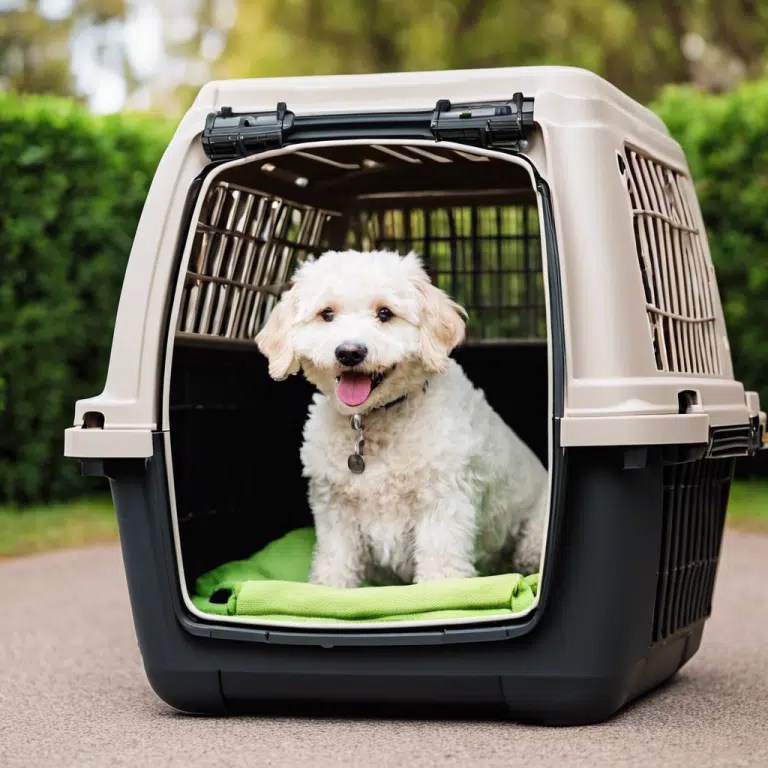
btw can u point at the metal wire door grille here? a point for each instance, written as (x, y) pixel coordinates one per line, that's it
(677, 275)
(246, 246)
(695, 501)
(488, 258)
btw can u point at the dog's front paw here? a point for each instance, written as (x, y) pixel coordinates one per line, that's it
(527, 556)
(526, 564)
(329, 577)
(444, 572)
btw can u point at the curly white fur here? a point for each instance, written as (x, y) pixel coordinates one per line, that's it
(449, 490)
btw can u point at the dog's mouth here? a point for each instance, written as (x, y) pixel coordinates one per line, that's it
(353, 388)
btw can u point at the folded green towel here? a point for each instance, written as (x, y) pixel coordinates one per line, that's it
(271, 585)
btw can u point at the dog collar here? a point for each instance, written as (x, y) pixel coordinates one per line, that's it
(355, 461)
(401, 399)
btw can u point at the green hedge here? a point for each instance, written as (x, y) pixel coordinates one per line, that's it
(726, 141)
(71, 192)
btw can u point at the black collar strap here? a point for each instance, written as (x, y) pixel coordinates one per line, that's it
(355, 461)
(399, 400)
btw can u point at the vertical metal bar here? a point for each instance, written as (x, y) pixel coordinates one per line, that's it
(452, 241)
(407, 242)
(265, 302)
(250, 264)
(374, 228)
(224, 292)
(215, 265)
(477, 265)
(500, 277)
(288, 252)
(215, 205)
(253, 299)
(360, 221)
(528, 276)
(308, 226)
(318, 230)
(417, 222)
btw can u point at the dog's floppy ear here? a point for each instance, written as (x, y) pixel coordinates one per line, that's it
(442, 325)
(274, 339)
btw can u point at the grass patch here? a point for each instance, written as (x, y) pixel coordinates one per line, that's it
(39, 529)
(748, 506)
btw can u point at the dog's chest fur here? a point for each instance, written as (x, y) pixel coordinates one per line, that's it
(438, 445)
(382, 500)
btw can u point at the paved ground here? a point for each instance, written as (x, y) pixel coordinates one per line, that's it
(73, 692)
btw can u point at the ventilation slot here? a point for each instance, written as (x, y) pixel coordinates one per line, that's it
(730, 441)
(246, 246)
(487, 257)
(695, 501)
(675, 268)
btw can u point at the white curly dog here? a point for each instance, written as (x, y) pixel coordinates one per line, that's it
(442, 487)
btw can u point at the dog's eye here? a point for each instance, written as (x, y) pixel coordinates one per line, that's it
(384, 314)
(327, 314)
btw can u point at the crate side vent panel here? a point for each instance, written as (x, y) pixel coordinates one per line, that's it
(675, 268)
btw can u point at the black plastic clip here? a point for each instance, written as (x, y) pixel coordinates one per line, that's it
(756, 438)
(229, 136)
(486, 125)
(517, 100)
(443, 105)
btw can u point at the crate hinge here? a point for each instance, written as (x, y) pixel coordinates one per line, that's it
(495, 125)
(228, 136)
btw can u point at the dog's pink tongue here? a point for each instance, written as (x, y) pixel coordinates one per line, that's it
(353, 388)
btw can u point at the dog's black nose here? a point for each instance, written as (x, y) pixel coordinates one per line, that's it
(351, 353)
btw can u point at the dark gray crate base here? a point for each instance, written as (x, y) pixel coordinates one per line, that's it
(585, 654)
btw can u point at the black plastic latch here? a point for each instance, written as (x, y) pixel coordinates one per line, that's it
(228, 136)
(756, 437)
(494, 125)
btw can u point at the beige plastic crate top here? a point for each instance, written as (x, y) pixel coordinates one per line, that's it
(643, 319)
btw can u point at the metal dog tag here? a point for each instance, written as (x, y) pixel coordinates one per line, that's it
(356, 463)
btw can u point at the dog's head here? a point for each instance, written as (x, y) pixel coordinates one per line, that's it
(366, 328)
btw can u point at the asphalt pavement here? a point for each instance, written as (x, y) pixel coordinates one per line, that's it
(73, 692)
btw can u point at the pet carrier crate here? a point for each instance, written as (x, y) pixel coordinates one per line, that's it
(561, 214)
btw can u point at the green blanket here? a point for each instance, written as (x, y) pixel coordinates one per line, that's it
(272, 585)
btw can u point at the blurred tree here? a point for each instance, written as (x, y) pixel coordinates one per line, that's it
(35, 39)
(639, 45)
(156, 53)
(143, 54)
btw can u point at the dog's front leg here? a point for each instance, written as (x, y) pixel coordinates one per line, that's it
(338, 555)
(445, 541)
